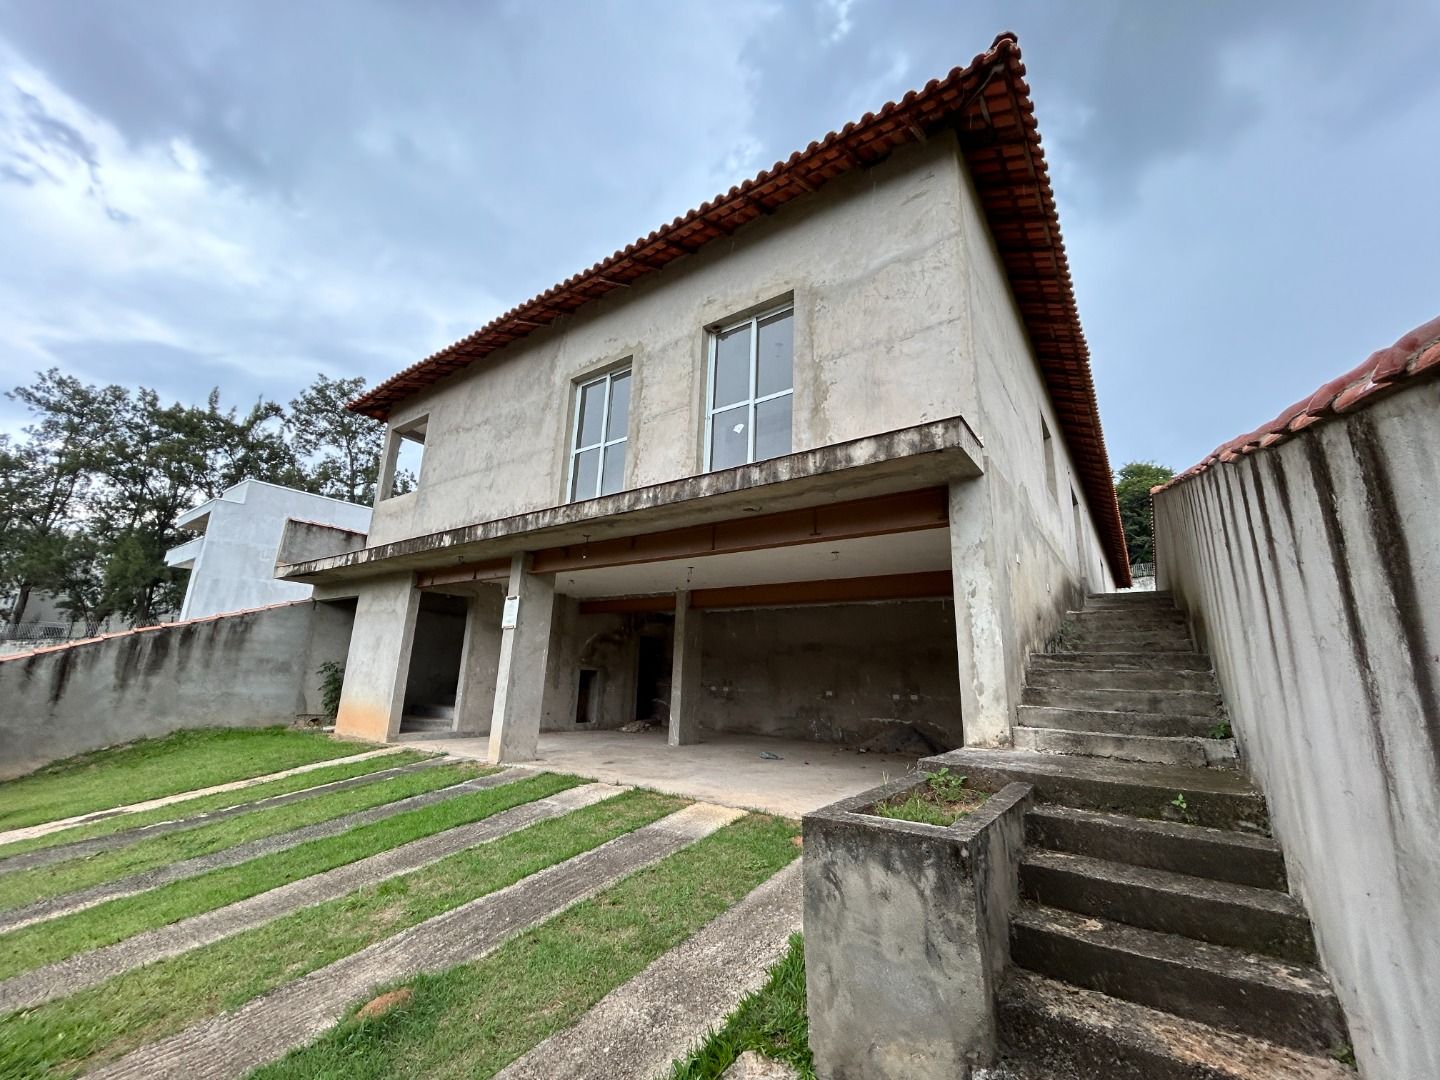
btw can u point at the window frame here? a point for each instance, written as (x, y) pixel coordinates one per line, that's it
(398, 435)
(714, 333)
(605, 444)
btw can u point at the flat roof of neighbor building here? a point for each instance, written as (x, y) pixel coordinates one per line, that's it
(987, 104)
(1416, 354)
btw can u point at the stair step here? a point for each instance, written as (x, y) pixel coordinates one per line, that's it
(1218, 854)
(1109, 722)
(1057, 1030)
(410, 723)
(1129, 618)
(1250, 993)
(1156, 660)
(1100, 677)
(1131, 644)
(1242, 917)
(1173, 638)
(1159, 749)
(1131, 599)
(431, 712)
(1173, 702)
(1219, 798)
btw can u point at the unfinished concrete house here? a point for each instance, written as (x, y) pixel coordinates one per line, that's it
(820, 459)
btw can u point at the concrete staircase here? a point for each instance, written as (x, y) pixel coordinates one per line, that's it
(1156, 938)
(1126, 682)
(430, 719)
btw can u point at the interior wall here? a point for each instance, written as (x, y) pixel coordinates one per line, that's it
(843, 673)
(434, 674)
(1311, 572)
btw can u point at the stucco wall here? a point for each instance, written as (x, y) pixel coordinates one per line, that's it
(1311, 572)
(244, 670)
(1048, 557)
(234, 559)
(872, 262)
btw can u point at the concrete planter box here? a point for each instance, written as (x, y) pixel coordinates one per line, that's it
(907, 935)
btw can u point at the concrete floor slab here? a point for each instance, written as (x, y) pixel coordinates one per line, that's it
(724, 769)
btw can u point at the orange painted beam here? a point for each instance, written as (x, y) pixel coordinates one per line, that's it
(905, 512)
(920, 586)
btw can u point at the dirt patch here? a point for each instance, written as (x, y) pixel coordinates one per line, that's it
(388, 1002)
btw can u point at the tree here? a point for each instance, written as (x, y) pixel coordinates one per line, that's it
(1132, 490)
(341, 448)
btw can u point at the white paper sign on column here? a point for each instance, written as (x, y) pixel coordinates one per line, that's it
(511, 613)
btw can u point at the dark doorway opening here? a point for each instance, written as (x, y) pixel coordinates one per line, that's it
(652, 676)
(586, 697)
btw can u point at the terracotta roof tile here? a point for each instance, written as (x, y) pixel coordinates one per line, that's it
(987, 104)
(1385, 370)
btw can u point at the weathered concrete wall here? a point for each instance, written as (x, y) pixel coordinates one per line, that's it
(376, 666)
(833, 673)
(1047, 555)
(249, 669)
(907, 936)
(1311, 572)
(872, 262)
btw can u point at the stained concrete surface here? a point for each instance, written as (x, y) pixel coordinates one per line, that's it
(724, 769)
(638, 1029)
(231, 1044)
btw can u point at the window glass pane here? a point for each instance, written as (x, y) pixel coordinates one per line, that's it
(619, 406)
(730, 438)
(612, 477)
(772, 428)
(732, 367)
(592, 405)
(777, 345)
(582, 479)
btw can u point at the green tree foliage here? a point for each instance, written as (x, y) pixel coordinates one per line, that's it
(1132, 489)
(90, 495)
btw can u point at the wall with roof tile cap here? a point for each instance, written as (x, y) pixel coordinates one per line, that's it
(1311, 572)
(240, 669)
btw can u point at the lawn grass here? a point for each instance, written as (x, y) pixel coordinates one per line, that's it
(47, 942)
(208, 803)
(71, 875)
(772, 1021)
(476, 1018)
(62, 1037)
(151, 768)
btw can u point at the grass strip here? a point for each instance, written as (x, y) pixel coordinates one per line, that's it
(44, 943)
(152, 768)
(209, 803)
(62, 1037)
(475, 1019)
(772, 1022)
(71, 875)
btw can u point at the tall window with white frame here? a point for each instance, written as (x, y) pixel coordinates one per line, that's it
(602, 427)
(751, 384)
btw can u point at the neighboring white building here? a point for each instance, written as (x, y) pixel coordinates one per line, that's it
(232, 561)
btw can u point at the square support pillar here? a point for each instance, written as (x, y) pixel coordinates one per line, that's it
(524, 659)
(685, 674)
(985, 711)
(479, 661)
(378, 663)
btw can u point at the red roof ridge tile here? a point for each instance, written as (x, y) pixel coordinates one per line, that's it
(987, 104)
(1415, 354)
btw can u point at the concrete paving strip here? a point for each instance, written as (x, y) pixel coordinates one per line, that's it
(639, 1029)
(55, 906)
(230, 1045)
(89, 969)
(28, 860)
(48, 827)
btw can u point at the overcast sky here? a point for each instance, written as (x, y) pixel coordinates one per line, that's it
(243, 194)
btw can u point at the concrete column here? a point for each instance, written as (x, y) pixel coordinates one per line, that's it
(685, 674)
(479, 661)
(524, 657)
(378, 661)
(979, 623)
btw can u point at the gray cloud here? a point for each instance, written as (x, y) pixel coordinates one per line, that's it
(245, 194)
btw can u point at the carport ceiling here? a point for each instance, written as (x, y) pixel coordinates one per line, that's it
(872, 556)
